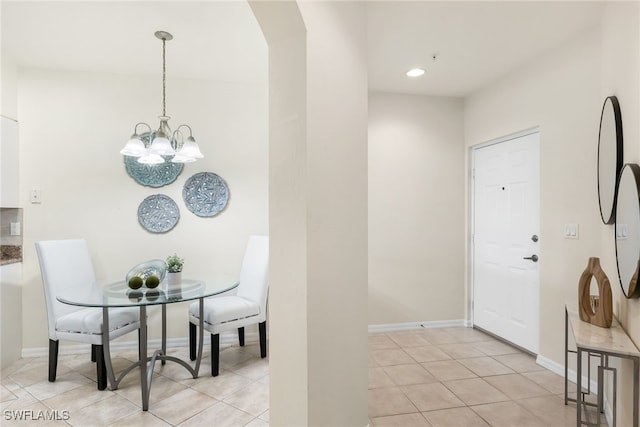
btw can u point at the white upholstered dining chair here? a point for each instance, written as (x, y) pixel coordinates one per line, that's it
(66, 264)
(247, 307)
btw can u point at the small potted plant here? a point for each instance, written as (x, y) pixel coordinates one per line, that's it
(174, 269)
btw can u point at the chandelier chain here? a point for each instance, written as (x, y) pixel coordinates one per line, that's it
(164, 78)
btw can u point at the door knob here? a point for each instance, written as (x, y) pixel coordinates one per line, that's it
(534, 238)
(533, 258)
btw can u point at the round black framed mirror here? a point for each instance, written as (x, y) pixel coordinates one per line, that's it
(609, 157)
(627, 228)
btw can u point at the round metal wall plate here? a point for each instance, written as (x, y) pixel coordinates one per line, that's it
(205, 194)
(158, 213)
(152, 175)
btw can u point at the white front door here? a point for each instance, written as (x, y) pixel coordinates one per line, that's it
(506, 247)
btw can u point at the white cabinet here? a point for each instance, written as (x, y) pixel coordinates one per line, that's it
(10, 313)
(8, 163)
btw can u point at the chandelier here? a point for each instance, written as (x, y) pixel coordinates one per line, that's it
(162, 145)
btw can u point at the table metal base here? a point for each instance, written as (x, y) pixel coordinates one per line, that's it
(145, 362)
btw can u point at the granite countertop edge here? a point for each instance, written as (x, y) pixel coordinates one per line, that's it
(10, 254)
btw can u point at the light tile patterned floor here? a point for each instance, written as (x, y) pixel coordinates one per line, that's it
(433, 377)
(461, 377)
(239, 396)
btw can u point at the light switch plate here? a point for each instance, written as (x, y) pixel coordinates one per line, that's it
(571, 231)
(622, 231)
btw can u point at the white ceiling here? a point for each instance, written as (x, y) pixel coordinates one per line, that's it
(212, 39)
(476, 42)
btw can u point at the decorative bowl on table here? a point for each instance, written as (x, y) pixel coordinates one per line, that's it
(144, 271)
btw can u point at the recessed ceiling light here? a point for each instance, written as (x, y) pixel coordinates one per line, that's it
(415, 72)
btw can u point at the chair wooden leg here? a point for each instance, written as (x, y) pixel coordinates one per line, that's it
(93, 352)
(53, 359)
(101, 368)
(241, 336)
(262, 327)
(192, 341)
(215, 354)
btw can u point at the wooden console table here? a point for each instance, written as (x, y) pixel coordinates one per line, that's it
(601, 343)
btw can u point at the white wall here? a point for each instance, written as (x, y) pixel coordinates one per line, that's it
(560, 93)
(416, 208)
(73, 125)
(621, 77)
(284, 31)
(563, 93)
(337, 212)
(318, 210)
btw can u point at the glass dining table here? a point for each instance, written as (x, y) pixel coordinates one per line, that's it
(117, 294)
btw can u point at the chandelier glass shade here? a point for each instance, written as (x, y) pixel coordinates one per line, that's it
(161, 145)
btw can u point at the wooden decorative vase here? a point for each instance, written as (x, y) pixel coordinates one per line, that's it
(603, 315)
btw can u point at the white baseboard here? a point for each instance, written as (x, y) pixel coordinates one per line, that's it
(230, 338)
(394, 327)
(571, 374)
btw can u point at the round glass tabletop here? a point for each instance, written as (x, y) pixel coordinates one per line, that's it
(118, 294)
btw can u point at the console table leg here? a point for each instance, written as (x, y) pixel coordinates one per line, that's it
(579, 396)
(636, 386)
(600, 407)
(566, 357)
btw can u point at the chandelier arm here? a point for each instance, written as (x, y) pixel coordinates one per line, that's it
(174, 139)
(135, 129)
(186, 126)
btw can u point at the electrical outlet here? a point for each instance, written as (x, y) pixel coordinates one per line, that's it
(15, 228)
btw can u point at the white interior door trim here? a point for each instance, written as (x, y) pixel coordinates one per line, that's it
(473, 224)
(509, 137)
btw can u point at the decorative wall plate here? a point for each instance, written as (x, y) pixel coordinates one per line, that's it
(205, 194)
(158, 213)
(153, 175)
